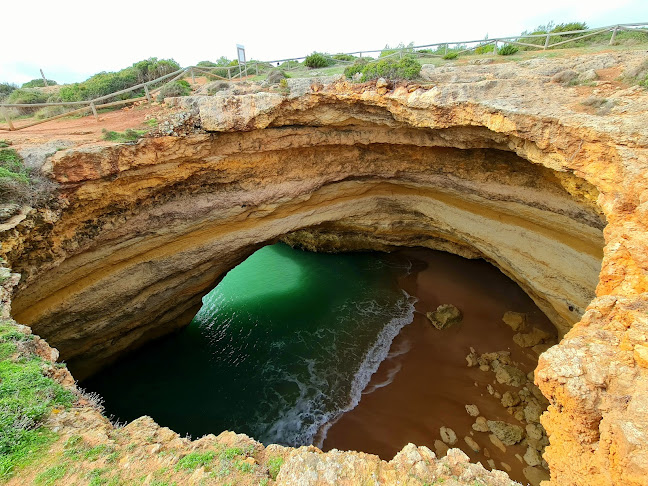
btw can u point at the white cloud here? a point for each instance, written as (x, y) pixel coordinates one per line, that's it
(73, 39)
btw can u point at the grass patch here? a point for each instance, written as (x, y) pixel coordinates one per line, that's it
(231, 453)
(244, 467)
(26, 398)
(129, 135)
(194, 460)
(274, 466)
(51, 475)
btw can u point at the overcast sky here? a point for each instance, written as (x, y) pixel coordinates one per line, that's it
(71, 40)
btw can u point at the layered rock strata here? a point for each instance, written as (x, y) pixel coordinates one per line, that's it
(509, 168)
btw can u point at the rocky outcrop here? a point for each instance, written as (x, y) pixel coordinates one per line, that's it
(508, 167)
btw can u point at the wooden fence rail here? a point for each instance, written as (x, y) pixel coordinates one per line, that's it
(97, 103)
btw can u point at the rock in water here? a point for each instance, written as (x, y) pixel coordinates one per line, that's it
(509, 434)
(444, 316)
(515, 320)
(448, 436)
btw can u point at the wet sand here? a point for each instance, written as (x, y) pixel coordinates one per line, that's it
(425, 382)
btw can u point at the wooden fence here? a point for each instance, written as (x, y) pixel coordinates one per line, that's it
(524, 40)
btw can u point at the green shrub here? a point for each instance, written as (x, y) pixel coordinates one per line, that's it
(274, 466)
(569, 27)
(485, 49)
(507, 50)
(6, 89)
(38, 83)
(405, 49)
(206, 64)
(318, 60)
(406, 68)
(27, 96)
(176, 88)
(644, 83)
(356, 67)
(20, 185)
(129, 135)
(450, 55)
(344, 57)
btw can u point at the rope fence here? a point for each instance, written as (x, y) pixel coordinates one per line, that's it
(246, 69)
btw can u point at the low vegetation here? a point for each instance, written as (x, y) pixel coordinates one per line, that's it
(105, 83)
(507, 50)
(19, 184)
(393, 69)
(38, 83)
(129, 135)
(318, 60)
(175, 88)
(27, 396)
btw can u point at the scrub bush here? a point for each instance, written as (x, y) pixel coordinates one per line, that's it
(38, 83)
(176, 88)
(507, 50)
(318, 60)
(406, 68)
(450, 56)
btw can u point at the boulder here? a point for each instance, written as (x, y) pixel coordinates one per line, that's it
(472, 410)
(530, 339)
(509, 434)
(448, 435)
(510, 399)
(444, 316)
(510, 375)
(515, 320)
(564, 76)
(480, 425)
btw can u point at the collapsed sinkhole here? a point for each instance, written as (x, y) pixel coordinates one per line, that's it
(337, 350)
(139, 267)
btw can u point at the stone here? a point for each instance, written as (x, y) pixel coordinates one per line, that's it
(472, 410)
(484, 367)
(506, 466)
(471, 359)
(532, 457)
(491, 463)
(444, 316)
(440, 447)
(541, 348)
(564, 76)
(510, 375)
(472, 444)
(530, 339)
(515, 320)
(486, 452)
(510, 399)
(448, 436)
(534, 431)
(535, 475)
(589, 75)
(497, 442)
(509, 434)
(480, 425)
(381, 83)
(533, 411)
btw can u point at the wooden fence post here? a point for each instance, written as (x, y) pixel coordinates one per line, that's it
(193, 77)
(6, 117)
(94, 110)
(546, 42)
(446, 50)
(229, 73)
(44, 79)
(148, 95)
(256, 66)
(614, 33)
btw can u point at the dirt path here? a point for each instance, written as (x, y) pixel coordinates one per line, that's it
(85, 129)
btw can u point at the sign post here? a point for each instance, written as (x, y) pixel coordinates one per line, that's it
(240, 51)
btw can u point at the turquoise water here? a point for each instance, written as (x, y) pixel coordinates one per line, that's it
(283, 345)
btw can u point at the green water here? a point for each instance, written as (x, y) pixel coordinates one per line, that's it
(284, 344)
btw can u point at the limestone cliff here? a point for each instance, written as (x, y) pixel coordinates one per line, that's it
(494, 162)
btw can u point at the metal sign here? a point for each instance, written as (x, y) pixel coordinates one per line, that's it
(240, 51)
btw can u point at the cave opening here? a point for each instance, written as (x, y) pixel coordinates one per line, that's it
(336, 350)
